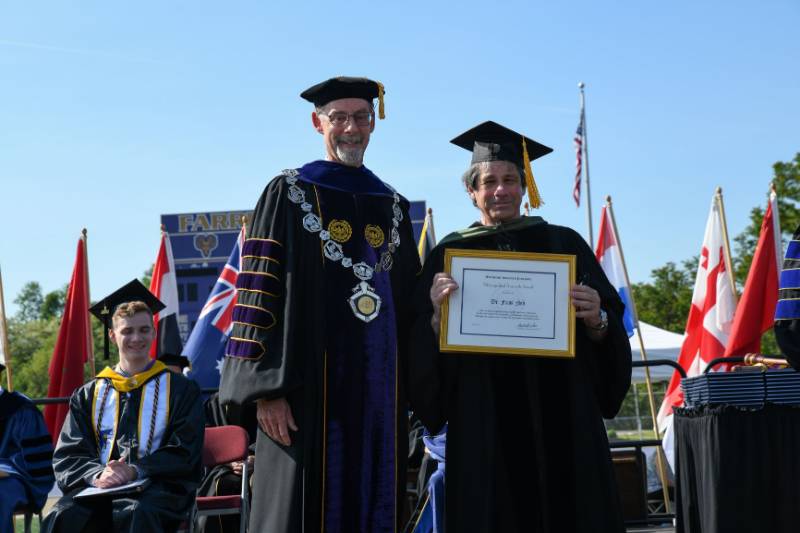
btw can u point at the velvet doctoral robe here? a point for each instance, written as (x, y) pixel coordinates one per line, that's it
(526, 445)
(26, 456)
(787, 312)
(296, 336)
(173, 463)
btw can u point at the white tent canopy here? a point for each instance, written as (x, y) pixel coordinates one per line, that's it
(658, 344)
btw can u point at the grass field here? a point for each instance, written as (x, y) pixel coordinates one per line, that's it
(19, 525)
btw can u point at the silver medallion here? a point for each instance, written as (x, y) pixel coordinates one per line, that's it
(305, 206)
(395, 237)
(362, 271)
(312, 223)
(333, 250)
(364, 302)
(386, 261)
(290, 173)
(296, 194)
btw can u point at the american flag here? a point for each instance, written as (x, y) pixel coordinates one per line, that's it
(576, 189)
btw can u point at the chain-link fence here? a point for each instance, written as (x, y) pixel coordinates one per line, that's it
(634, 419)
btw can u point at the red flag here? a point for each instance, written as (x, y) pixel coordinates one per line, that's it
(73, 347)
(710, 316)
(164, 285)
(756, 311)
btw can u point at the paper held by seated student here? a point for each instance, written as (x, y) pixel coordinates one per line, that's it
(134, 486)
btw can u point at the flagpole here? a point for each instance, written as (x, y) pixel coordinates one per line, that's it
(4, 338)
(726, 242)
(84, 238)
(776, 226)
(660, 459)
(585, 144)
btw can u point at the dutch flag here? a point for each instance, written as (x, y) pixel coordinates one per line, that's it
(609, 256)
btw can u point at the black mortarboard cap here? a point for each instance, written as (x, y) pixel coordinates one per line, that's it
(345, 87)
(181, 361)
(130, 292)
(490, 141)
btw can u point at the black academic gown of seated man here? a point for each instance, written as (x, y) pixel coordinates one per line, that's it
(526, 445)
(154, 420)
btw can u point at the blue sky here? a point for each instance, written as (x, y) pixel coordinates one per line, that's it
(113, 113)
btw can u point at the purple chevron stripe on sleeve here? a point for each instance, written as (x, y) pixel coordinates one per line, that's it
(260, 318)
(244, 348)
(263, 248)
(265, 283)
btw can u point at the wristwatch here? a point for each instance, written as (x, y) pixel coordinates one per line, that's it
(603, 321)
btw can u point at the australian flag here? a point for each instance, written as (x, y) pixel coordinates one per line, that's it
(206, 345)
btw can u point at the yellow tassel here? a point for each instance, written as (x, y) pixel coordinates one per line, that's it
(381, 114)
(533, 191)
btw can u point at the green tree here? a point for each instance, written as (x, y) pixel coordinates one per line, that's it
(665, 301)
(29, 301)
(53, 303)
(30, 349)
(147, 277)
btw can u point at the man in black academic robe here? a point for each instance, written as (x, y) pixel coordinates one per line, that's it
(135, 421)
(26, 456)
(526, 445)
(319, 335)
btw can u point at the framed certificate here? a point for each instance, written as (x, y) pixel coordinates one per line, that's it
(509, 303)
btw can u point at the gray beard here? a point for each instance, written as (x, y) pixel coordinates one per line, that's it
(351, 158)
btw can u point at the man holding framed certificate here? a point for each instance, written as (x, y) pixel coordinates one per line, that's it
(519, 347)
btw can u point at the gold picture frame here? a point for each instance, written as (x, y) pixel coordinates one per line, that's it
(496, 294)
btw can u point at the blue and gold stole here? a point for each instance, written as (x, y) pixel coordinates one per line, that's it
(153, 407)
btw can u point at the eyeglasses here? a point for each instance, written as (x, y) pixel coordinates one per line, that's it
(340, 118)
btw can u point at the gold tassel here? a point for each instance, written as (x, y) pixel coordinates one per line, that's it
(533, 191)
(381, 114)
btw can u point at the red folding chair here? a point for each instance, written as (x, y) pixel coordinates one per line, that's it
(225, 444)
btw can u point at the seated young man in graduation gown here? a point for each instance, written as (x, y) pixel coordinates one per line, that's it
(526, 445)
(320, 328)
(135, 421)
(26, 456)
